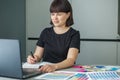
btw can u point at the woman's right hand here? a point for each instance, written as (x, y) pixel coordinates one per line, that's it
(31, 60)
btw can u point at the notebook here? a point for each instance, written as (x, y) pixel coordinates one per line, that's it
(11, 61)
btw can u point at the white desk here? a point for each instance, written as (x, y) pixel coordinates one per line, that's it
(33, 78)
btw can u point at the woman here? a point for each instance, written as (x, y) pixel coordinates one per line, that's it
(60, 43)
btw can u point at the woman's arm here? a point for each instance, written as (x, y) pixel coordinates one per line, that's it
(39, 52)
(37, 55)
(68, 62)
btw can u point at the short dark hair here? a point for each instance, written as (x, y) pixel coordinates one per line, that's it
(62, 6)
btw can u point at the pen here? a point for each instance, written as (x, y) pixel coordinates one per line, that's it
(40, 66)
(32, 54)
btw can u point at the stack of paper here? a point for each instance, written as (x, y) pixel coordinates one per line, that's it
(107, 75)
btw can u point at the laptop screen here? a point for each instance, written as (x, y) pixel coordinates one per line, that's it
(10, 58)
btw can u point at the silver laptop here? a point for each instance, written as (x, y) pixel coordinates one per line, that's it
(10, 60)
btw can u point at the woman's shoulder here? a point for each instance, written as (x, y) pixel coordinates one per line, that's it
(74, 31)
(48, 29)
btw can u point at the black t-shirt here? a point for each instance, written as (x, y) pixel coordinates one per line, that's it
(56, 46)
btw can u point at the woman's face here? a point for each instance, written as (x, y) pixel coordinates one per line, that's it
(59, 18)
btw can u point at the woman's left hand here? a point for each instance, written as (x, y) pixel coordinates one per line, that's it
(47, 68)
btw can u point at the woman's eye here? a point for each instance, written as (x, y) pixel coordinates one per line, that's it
(59, 14)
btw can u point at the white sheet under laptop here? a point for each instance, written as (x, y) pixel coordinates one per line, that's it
(11, 62)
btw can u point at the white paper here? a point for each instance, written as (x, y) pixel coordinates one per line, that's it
(36, 65)
(57, 75)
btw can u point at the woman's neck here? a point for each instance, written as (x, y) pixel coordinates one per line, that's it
(61, 30)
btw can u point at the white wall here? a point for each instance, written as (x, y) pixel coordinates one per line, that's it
(98, 52)
(37, 18)
(118, 49)
(96, 18)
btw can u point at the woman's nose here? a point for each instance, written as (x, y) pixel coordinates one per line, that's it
(55, 17)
